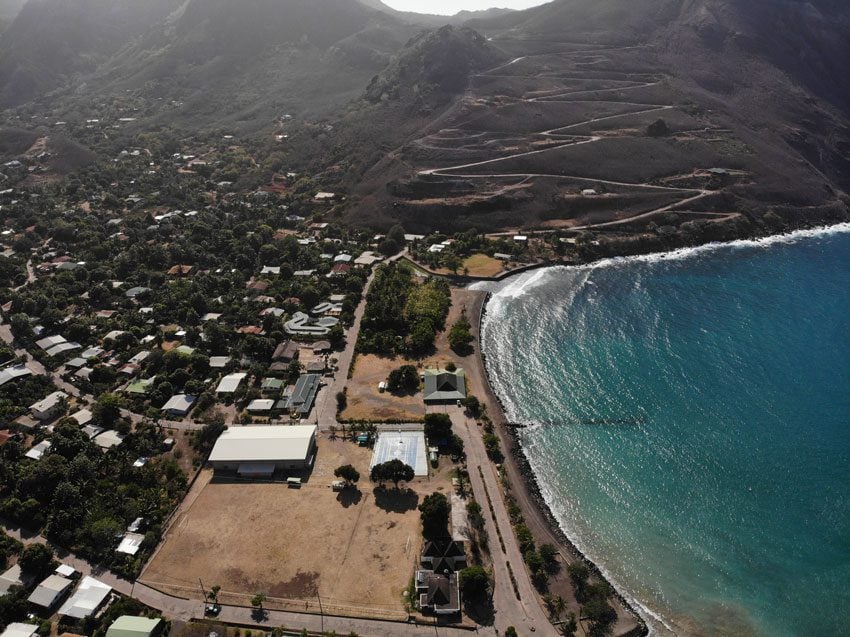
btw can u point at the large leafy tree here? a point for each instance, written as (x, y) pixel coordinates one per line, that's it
(434, 511)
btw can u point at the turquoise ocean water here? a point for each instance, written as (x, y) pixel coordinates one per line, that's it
(690, 426)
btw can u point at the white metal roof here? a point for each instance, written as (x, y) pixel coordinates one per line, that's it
(130, 543)
(264, 443)
(65, 571)
(39, 450)
(49, 402)
(49, 591)
(16, 371)
(88, 598)
(261, 404)
(18, 629)
(179, 402)
(230, 383)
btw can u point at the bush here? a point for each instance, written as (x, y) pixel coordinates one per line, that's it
(403, 379)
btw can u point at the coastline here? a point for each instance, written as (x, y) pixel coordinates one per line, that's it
(525, 487)
(524, 484)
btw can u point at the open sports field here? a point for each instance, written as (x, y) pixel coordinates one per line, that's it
(355, 549)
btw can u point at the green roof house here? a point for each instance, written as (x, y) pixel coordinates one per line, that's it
(442, 386)
(130, 626)
(141, 387)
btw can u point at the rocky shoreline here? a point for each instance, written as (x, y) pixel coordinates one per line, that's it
(529, 483)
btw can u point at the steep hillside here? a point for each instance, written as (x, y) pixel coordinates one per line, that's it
(732, 108)
(436, 20)
(249, 66)
(50, 41)
(434, 66)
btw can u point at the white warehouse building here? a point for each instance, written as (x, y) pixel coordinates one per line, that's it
(261, 450)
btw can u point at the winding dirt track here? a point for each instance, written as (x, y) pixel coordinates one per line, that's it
(458, 171)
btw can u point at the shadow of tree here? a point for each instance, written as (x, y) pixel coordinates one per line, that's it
(395, 500)
(481, 611)
(349, 497)
(260, 615)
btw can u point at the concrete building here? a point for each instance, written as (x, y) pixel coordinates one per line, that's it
(261, 450)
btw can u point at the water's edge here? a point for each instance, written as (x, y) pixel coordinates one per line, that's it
(525, 467)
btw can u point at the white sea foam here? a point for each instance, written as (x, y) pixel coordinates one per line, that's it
(687, 253)
(656, 624)
(499, 344)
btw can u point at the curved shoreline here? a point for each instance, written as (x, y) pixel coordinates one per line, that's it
(520, 471)
(522, 477)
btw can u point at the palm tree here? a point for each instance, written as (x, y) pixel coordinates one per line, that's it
(560, 606)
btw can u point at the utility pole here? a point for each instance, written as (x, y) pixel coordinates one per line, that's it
(321, 611)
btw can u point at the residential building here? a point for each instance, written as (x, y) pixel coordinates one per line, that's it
(50, 591)
(442, 386)
(50, 406)
(131, 626)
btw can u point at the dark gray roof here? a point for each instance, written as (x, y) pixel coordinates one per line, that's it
(304, 393)
(445, 386)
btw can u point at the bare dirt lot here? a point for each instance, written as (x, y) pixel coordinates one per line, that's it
(365, 402)
(356, 549)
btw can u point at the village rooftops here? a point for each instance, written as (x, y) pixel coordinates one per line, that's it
(179, 404)
(131, 626)
(219, 362)
(130, 543)
(37, 452)
(264, 443)
(17, 629)
(13, 576)
(261, 405)
(108, 439)
(304, 325)
(142, 386)
(47, 407)
(132, 293)
(83, 417)
(303, 395)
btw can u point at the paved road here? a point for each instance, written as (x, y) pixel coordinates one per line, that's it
(325, 410)
(186, 609)
(523, 612)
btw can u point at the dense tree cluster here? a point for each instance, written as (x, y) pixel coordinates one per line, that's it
(403, 379)
(460, 335)
(394, 471)
(434, 511)
(82, 498)
(402, 317)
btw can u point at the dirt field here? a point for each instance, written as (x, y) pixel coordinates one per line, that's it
(482, 265)
(365, 402)
(357, 550)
